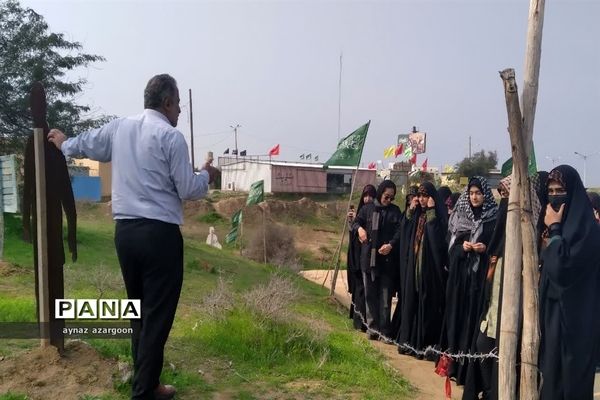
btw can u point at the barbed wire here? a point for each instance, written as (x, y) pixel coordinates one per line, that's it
(429, 350)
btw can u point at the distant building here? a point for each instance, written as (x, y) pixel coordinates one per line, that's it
(87, 167)
(290, 177)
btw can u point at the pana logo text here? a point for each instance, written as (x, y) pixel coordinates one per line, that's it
(97, 309)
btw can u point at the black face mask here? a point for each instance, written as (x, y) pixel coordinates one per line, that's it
(556, 200)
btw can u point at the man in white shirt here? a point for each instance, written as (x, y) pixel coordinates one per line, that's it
(152, 176)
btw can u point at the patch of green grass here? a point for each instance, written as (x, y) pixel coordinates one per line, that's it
(276, 353)
(13, 396)
(244, 395)
(212, 217)
(113, 348)
(17, 309)
(185, 381)
(16, 250)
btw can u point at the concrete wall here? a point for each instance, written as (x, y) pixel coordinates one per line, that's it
(365, 177)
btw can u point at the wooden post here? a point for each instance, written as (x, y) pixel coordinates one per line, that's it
(531, 334)
(511, 292)
(42, 241)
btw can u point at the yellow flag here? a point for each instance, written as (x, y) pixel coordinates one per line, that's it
(387, 153)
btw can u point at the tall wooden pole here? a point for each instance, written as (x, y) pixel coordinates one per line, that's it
(42, 235)
(192, 131)
(531, 334)
(511, 294)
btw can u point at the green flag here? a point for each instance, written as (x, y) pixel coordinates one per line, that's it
(349, 149)
(531, 168)
(232, 235)
(256, 193)
(236, 219)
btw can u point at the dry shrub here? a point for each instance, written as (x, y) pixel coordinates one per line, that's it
(271, 301)
(281, 248)
(219, 302)
(100, 277)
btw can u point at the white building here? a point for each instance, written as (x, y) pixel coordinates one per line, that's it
(290, 177)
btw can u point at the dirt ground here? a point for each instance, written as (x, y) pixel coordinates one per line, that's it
(42, 374)
(419, 373)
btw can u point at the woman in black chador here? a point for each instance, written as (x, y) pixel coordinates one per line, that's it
(425, 284)
(470, 229)
(355, 280)
(378, 227)
(569, 291)
(403, 245)
(445, 195)
(482, 376)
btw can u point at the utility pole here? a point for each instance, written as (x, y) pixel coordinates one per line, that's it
(235, 128)
(340, 100)
(585, 157)
(192, 131)
(469, 147)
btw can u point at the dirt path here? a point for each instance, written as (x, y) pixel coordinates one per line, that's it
(419, 373)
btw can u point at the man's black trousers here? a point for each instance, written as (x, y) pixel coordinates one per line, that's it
(151, 256)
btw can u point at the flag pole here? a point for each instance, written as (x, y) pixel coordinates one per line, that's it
(265, 234)
(241, 231)
(343, 235)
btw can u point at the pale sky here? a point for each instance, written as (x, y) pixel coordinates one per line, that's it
(273, 68)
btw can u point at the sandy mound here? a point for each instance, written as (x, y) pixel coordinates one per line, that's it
(197, 207)
(42, 374)
(278, 209)
(227, 207)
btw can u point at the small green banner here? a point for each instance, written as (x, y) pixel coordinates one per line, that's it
(256, 193)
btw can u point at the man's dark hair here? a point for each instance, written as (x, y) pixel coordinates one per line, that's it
(159, 88)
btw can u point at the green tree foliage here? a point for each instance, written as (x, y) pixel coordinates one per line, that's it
(420, 177)
(480, 164)
(30, 52)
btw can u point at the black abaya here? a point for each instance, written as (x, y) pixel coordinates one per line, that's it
(425, 276)
(570, 297)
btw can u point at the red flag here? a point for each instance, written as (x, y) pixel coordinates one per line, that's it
(399, 150)
(372, 165)
(413, 159)
(424, 166)
(274, 151)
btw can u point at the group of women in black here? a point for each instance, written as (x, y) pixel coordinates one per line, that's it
(443, 258)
